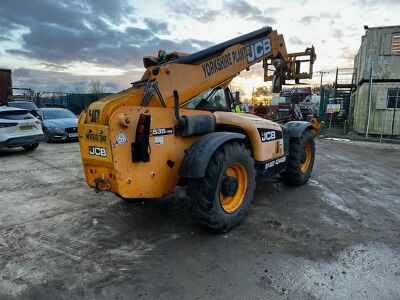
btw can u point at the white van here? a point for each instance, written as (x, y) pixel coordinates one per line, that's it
(18, 128)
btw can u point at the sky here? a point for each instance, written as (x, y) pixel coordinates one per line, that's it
(62, 45)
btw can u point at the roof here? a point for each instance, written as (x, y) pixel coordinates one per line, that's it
(384, 27)
(8, 108)
(21, 101)
(53, 108)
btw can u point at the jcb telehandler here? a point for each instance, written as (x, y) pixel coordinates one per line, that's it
(175, 127)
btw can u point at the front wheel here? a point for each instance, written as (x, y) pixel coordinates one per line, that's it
(223, 196)
(46, 136)
(300, 160)
(31, 147)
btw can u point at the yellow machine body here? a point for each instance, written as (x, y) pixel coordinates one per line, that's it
(107, 128)
(117, 173)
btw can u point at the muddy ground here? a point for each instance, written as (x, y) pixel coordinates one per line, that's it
(337, 237)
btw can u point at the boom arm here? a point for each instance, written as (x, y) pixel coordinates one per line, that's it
(193, 74)
(198, 72)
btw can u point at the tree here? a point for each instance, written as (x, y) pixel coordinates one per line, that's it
(262, 94)
(96, 87)
(327, 87)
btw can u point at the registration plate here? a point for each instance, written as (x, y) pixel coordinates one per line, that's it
(25, 127)
(73, 135)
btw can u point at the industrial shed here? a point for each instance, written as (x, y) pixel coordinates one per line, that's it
(5, 85)
(376, 101)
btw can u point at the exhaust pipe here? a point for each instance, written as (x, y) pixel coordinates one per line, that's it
(176, 108)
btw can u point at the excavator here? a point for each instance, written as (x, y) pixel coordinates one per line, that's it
(175, 127)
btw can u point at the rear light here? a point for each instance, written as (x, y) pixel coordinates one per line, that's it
(4, 125)
(141, 147)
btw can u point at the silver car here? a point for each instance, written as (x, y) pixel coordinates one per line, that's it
(59, 124)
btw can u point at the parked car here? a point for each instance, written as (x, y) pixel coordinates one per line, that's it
(19, 128)
(30, 106)
(59, 124)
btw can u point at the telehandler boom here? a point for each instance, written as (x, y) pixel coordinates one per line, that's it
(175, 127)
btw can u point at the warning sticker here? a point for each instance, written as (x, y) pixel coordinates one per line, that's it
(159, 140)
(121, 139)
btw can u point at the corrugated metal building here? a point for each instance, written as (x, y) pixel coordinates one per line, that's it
(5, 85)
(379, 55)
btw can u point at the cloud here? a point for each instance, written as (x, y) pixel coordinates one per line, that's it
(54, 67)
(198, 10)
(272, 10)
(245, 10)
(157, 26)
(373, 2)
(330, 17)
(347, 54)
(63, 13)
(307, 20)
(337, 34)
(86, 31)
(66, 82)
(294, 40)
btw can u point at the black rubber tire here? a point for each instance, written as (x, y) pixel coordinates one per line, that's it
(204, 192)
(293, 175)
(46, 137)
(133, 200)
(31, 147)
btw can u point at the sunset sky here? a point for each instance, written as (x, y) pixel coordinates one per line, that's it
(63, 45)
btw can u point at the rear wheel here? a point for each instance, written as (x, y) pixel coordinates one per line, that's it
(222, 197)
(31, 147)
(300, 160)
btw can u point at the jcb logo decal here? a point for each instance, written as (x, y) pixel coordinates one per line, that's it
(97, 151)
(258, 50)
(251, 52)
(267, 135)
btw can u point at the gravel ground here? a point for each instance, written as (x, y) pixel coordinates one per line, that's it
(336, 237)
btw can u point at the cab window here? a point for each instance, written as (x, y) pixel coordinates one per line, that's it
(211, 100)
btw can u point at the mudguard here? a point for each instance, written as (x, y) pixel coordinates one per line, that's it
(196, 159)
(297, 128)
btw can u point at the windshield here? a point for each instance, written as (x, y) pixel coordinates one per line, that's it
(15, 115)
(24, 105)
(58, 114)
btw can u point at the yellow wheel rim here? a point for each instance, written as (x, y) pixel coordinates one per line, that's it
(306, 158)
(231, 202)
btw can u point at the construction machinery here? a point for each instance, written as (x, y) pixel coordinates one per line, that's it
(175, 127)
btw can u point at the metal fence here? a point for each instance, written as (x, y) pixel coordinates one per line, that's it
(74, 102)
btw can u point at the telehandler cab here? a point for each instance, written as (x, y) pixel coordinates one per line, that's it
(175, 127)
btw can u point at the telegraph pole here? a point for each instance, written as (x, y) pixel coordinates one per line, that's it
(322, 72)
(321, 104)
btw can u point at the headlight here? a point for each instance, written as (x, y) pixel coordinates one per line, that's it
(55, 128)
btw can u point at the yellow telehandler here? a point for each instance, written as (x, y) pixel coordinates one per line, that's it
(175, 126)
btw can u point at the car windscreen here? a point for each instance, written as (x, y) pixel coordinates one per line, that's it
(57, 114)
(15, 115)
(24, 105)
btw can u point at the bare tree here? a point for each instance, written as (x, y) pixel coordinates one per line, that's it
(96, 87)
